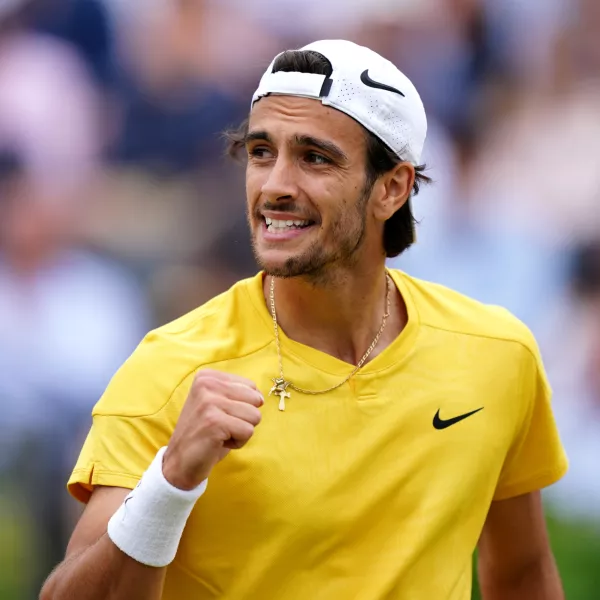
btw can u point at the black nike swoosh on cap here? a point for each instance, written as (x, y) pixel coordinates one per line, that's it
(364, 77)
(439, 423)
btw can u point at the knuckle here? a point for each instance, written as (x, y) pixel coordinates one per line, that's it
(204, 384)
(206, 373)
(201, 376)
(212, 417)
(199, 385)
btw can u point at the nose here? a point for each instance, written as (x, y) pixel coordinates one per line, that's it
(281, 182)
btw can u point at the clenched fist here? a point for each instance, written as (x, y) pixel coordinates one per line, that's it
(219, 415)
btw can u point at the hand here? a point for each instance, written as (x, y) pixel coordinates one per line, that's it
(219, 415)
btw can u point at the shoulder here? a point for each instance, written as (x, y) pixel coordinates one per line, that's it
(227, 327)
(234, 309)
(446, 310)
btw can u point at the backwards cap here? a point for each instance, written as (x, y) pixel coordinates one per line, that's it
(365, 86)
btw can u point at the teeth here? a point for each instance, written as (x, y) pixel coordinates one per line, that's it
(280, 224)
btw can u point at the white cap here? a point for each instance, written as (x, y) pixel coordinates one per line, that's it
(365, 86)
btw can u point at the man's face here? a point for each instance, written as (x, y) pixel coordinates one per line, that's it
(305, 185)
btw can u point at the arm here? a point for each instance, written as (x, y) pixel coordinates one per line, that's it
(515, 559)
(147, 523)
(94, 568)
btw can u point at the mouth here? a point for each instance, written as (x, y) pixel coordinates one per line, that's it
(275, 225)
(285, 229)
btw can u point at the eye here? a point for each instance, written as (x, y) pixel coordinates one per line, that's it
(259, 152)
(317, 159)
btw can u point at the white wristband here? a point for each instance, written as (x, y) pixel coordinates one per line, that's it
(149, 524)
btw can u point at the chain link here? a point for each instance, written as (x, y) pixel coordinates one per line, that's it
(360, 363)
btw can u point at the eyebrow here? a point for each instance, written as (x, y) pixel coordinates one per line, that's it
(253, 136)
(325, 145)
(301, 140)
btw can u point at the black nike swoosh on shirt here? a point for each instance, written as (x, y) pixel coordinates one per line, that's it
(439, 423)
(364, 77)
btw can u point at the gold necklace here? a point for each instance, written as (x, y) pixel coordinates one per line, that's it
(281, 384)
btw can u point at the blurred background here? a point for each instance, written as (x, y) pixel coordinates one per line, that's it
(118, 211)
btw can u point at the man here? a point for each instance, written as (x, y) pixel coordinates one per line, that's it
(381, 426)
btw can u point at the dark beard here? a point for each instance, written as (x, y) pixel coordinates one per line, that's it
(314, 264)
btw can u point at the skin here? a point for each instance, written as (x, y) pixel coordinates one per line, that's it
(219, 415)
(515, 561)
(331, 279)
(306, 161)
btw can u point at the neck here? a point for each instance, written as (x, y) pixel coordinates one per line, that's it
(340, 316)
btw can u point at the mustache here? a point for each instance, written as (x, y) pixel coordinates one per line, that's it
(289, 207)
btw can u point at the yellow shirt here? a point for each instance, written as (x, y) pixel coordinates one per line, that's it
(354, 494)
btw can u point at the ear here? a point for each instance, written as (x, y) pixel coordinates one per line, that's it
(392, 190)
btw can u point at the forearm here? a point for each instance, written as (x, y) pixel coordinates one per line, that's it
(134, 546)
(103, 572)
(538, 582)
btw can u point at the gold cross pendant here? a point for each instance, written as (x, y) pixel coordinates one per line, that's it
(279, 388)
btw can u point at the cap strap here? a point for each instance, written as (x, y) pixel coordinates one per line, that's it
(309, 85)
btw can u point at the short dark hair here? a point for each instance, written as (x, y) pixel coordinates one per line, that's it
(398, 233)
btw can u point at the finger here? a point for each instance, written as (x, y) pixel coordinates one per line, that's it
(240, 431)
(242, 393)
(242, 410)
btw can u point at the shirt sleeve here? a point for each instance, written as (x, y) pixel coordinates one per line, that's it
(134, 418)
(536, 458)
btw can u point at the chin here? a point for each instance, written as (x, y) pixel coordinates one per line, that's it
(292, 266)
(277, 267)
(286, 263)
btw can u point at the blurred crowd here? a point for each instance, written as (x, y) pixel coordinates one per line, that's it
(119, 212)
